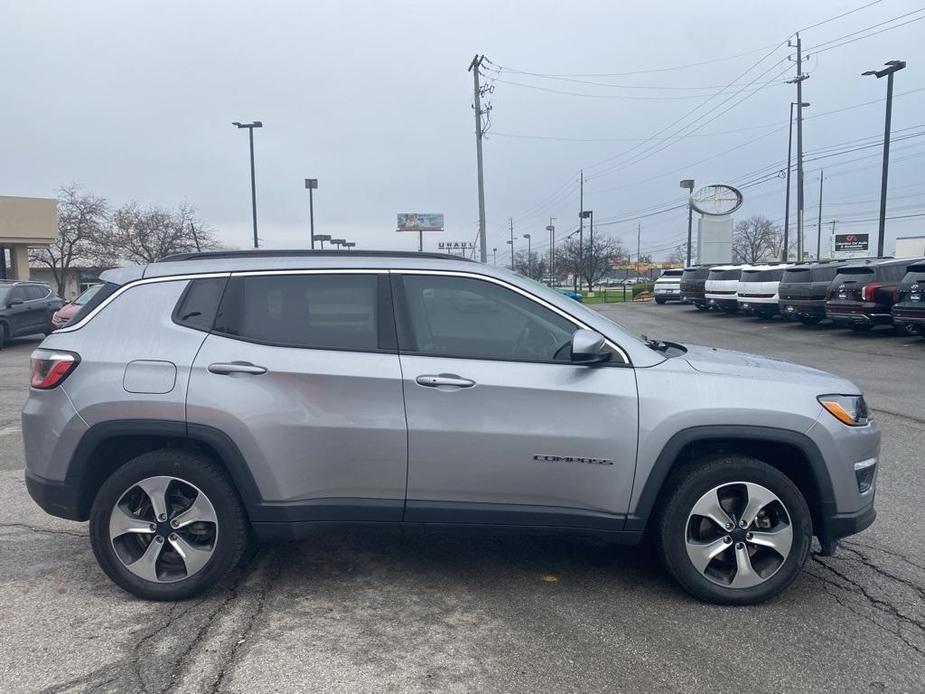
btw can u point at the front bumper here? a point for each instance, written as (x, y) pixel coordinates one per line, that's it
(726, 304)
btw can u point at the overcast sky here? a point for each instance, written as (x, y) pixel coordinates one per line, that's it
(134, 100)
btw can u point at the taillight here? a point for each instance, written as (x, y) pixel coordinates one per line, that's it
(51, 367)
(867, 291)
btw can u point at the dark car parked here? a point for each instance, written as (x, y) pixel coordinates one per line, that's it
(909, 309)
(693, 280)
(862, 296)
(26, 308)
(803, 290)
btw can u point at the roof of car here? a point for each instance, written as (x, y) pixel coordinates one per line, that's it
(305, 253)
(883, 262)
(9, 282)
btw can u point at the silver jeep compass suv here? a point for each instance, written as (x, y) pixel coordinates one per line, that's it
(196, 399)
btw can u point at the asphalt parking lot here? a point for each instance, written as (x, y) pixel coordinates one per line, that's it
(383, 611)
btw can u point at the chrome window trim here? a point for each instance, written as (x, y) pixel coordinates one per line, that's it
(137, 283)
(507, 285)
(344, 271)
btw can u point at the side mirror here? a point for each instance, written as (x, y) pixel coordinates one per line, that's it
(589, 347)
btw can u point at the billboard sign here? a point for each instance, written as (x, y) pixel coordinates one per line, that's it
(420, 221)
(850, 245)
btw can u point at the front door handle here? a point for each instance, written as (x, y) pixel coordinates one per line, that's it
(237, 367)
(437, 380)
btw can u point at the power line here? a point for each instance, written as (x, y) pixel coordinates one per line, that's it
(839, 16)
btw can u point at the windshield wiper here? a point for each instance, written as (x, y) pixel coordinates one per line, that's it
(657, 345)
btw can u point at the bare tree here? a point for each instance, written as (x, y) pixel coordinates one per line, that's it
(82, 220)
(755, 239)
(679, 255)
(532, 265)
(589, 263)
(148, 234)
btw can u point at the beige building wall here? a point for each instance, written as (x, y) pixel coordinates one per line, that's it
(26, 223)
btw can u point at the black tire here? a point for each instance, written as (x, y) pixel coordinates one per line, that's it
(4, 334)
(906, 330)
(193, 469)
(700, 307)
(660, 300)
(687, 485)
(810, 320)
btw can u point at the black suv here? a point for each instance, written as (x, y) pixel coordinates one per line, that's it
(803, 290)
(26, 308)
(862, 296)
(909, 309)
(693, 280)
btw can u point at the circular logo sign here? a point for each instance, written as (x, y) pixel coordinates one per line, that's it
(716, 200)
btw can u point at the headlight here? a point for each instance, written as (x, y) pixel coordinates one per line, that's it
(848, 409)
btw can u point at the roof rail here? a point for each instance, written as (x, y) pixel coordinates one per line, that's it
(303, 253)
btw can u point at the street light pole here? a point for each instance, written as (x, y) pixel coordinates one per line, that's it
(311, 184)
(688, 184)
(552, 250)
(250, 132)
(494, 256)
(892, 67)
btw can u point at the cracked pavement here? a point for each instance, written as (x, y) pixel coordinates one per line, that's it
(387, 610)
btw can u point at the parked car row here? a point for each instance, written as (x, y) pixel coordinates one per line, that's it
(857, 294)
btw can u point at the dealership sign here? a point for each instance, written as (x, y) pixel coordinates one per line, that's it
(420, 221)
(851, 243)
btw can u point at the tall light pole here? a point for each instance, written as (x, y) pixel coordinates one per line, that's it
(892, 67)
(785, 251)
(688, 184)
(250, 133)
(552, 250)
(494, 256)
(311, 184)
(511, 221)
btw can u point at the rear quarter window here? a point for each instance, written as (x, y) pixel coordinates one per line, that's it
(106, 290)
(199, 303)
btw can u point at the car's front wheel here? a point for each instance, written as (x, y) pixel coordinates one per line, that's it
(734, 530)
(167, 525)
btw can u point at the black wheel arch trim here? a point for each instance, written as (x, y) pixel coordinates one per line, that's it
(639, 518)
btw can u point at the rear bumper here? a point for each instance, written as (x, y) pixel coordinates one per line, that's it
(57, 498)
(857, 313)
(909, 315)
(807, 308)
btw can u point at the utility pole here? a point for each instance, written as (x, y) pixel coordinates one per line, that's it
(799, 82)
(892, 66)
(833, 237)
(819, 220)
(474, 67)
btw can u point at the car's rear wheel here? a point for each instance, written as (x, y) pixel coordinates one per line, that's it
(734, 530)
(167, 525)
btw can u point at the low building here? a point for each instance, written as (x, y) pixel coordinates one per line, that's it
(24, 223)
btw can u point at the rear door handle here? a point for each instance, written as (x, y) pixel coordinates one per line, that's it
(237, 367)
(437, 380)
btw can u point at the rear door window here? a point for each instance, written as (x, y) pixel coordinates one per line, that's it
(312, 311)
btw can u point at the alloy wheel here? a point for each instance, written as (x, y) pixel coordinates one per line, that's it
(738, 535)
(163, 529)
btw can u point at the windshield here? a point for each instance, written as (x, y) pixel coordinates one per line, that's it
(87, 295)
